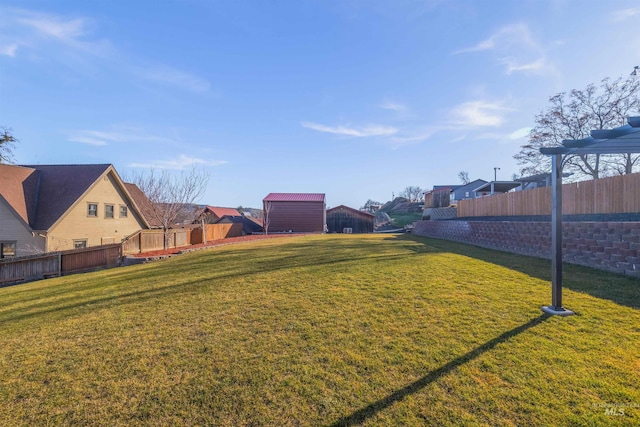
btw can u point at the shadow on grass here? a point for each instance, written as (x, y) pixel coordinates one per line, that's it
(617, 288)
(371, 410)
(337, 253)
(94, 297)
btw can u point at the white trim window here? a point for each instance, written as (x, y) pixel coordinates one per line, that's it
(108, 211)
(92, 210)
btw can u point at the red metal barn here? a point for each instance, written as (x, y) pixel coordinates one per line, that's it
(295, 212)
(343, 219)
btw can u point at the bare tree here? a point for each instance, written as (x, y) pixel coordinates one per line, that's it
(172, 196)
(464, 177)
(412, 193)
(573, 116)
(369, 204)
(7, 143)
(267, 207)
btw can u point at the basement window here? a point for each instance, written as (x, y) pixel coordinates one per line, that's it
(80, 244)
(7, 249)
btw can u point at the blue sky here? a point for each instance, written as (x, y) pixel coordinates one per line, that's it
(355, 99)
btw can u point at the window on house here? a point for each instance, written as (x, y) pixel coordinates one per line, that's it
(123, 211)
(7, 249)
(108, 211)
(92, 209)
(466, 194)
(79, 244)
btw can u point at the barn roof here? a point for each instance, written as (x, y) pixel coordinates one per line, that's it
(355, 211)
(294, 197)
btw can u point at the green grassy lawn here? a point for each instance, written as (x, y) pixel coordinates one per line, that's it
(377, 330)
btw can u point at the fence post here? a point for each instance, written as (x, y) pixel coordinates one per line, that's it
(59, 263)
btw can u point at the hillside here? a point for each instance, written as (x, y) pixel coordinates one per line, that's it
(400, 212)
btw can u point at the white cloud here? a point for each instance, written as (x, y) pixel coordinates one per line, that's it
(9, 50)
(624, 14)
(32, 29)
(511, 35)
(181, 162)
(520, 133)
(172, 76)
(517, 48)
(88, 140)
(371, 130)
(479, 114)
(401, 141)
(56, 27)
(63, 37)
(393, 106)
(513, 65)
(121, 135)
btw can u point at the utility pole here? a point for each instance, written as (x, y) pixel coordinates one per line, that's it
(495, 173)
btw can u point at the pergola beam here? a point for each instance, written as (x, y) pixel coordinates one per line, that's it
(622, 140)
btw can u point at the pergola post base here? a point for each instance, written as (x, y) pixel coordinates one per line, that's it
(557, 311)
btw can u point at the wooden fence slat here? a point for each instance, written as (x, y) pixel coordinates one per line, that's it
(616, 194)
(56, 263)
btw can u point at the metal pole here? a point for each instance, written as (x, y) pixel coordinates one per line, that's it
(556, 239)
(556, 232)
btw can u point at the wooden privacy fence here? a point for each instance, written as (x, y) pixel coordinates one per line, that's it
(78, 260)
(153, 240)
(440, 198)
(14, 270)
(617, 194)
(216, 232)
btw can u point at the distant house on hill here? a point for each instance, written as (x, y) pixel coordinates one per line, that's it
(295, 212)
(467, 191)
(48, 208)
(211, 214)
(345, 219)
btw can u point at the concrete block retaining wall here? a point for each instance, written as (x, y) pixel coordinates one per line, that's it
(611, 246)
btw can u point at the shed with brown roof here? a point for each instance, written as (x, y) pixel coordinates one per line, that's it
(343, 218)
